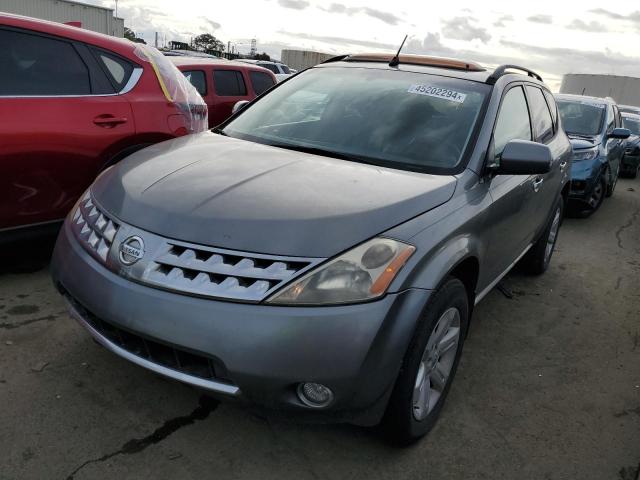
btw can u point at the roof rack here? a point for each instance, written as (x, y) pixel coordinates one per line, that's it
(502, 70)
(408, 59)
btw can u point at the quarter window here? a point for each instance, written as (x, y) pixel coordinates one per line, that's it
(553, 108)
(229, 83)
(261, 82)
(34, 65)
(611, 119)
(513, 121)
(119, 69)
(198, 79)
(542, 121)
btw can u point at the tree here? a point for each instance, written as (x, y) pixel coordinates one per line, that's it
(131, 35)
(262, 56)
(206, 42)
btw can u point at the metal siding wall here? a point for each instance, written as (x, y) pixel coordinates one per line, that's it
(92, 18)
(624, 90)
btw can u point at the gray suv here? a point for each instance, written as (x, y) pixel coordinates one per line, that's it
(322, 251)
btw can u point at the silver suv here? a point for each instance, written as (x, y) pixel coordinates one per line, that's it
(322, 251)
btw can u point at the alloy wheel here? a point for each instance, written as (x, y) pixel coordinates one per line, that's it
(596, 195)
(436, 363)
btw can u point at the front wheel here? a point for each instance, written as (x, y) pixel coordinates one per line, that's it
(429, 365)
(595, 200)
(539, 255)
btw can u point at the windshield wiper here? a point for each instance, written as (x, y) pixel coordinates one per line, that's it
(219, 131)
(324, 152)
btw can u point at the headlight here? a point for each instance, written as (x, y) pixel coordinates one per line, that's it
(363, 273)
(588, 154)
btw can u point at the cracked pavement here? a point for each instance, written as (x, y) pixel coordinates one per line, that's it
(548, 388)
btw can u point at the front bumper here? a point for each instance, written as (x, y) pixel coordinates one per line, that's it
(263, 351)
(583, 179)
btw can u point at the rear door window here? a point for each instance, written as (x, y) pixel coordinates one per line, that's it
(513, 121)
(269, 66)
(229, 83)
(34, 65)
(261, 81)
(198, 80)
(542, 122)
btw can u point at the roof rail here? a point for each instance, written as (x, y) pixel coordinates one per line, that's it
(502, 70)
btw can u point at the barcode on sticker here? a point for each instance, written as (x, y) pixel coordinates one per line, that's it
(439, 92)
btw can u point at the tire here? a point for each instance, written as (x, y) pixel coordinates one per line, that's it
(592, 205)
(611, 184)
(537, 259)
(403, 422)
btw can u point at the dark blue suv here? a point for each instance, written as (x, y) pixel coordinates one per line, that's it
(594, 126)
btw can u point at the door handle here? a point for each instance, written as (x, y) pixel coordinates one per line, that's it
(537, 183)
(563, 165)
(109, 121)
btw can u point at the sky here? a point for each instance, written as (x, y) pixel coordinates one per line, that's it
(551, 37)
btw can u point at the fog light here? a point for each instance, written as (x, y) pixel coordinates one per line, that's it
(315, 394)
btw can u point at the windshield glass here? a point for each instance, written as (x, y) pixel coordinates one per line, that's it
(632, 123)
(581, 117)
(398, 119)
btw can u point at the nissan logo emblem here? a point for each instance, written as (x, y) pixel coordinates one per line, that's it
(131, 250)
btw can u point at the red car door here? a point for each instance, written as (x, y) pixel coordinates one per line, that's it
(56, 132)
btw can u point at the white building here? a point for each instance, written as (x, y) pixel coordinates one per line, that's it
(91, 17)
(624, 90)
(301, 59)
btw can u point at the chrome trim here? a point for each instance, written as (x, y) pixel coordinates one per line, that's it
(482, 294)
(217, 387)
(133, 80)
(131, 83)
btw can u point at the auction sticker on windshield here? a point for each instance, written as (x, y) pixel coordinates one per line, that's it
(438, 92)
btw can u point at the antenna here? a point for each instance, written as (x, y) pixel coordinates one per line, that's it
(395, 61)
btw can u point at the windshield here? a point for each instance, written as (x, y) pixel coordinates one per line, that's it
(581, 117)
(398, 119)
(632, 123)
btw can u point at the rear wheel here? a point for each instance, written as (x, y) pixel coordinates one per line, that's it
(429, 366)
(539, 255)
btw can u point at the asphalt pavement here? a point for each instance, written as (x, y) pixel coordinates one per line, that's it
(548, 388)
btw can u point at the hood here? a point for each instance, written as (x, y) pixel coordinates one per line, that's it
(580, 143)
(230, 193)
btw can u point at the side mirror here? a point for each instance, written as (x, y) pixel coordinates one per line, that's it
(522, 157)
(621, 133)
(239, 106)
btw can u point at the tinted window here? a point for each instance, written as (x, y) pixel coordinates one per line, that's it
(552, 107)
(513, 121)
(581, 117)
(229, 83)
(270, 66)
(540, 114)
(632, 123)
(261, 81)
(285, 69)
(618, 117)
(35, 65)
(119, 69)
(408, 121)
(198, 80)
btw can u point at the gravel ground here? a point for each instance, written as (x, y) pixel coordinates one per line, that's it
(548, 388)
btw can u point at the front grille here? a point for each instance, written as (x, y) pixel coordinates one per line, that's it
(221, 273)
(93, 228)
(159, 353)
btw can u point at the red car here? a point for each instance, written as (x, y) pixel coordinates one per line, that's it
(73, 102)
(222, 83)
